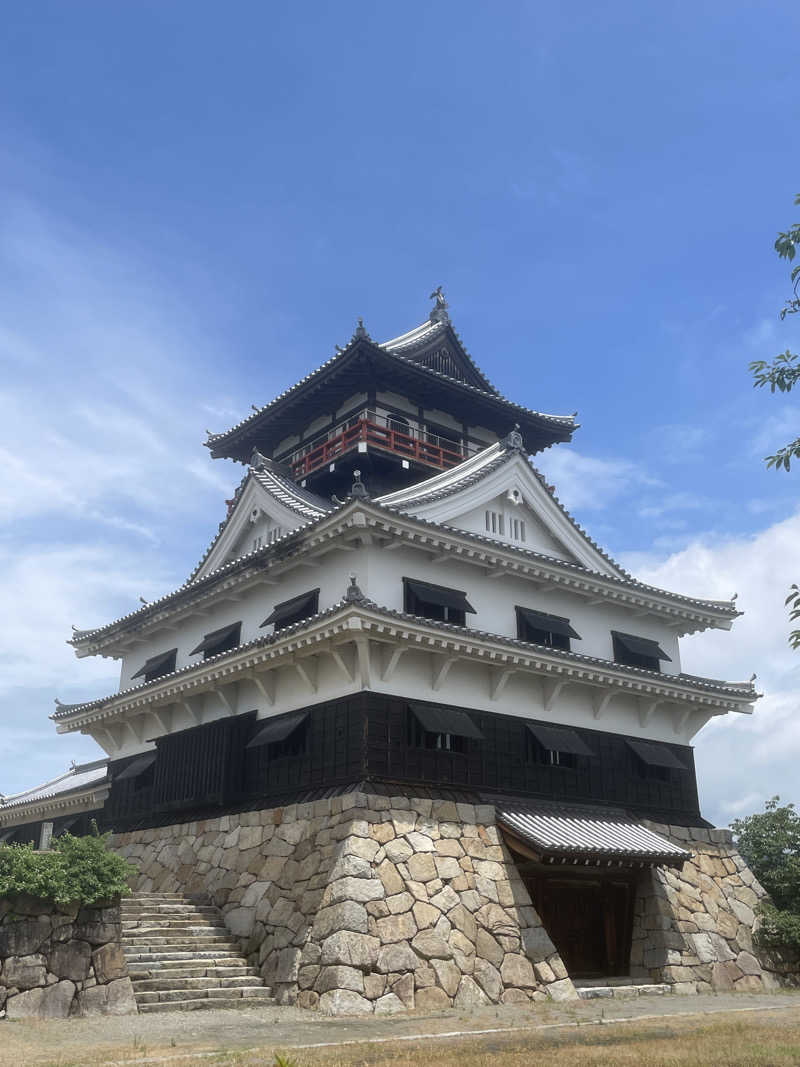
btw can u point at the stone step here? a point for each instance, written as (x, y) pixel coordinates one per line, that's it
(149, 913)
(211, 957)
(162, 983)
(180, 996)
(188, 930)
(200, 941)
(654, 989)
(208, 1003)
(198, 969)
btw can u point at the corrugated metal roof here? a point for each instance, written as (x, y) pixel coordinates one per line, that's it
(79, 777)
(578, 832)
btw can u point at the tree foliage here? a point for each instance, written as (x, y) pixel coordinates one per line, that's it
(783, 373)
(770, 842)
(78, 870)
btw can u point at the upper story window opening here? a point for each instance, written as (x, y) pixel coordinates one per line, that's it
(655, 761)
(157, 666)
(636, 651)
(556, 746)
(282, 736)
(539, 628)
(295, 610)
(445, 729)
(218, 641)
(435, 602)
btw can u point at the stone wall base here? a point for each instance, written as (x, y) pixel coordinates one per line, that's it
(60, 961)
(365, 903)
(694, 926)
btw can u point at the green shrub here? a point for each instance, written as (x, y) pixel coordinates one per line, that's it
(78, 870)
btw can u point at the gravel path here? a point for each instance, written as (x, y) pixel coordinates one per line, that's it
(139, 1038)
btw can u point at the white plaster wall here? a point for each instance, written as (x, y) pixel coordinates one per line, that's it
(256, 604)
(537, 538)
(494, 600)
(352, 401)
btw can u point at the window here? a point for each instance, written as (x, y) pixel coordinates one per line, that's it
(282, 736)
(157, 666)
(436, 602)
(516, 528)
(637, 651)
(539, 628)
(218, 641)
(498, 523)
(446, 729)
(292, 611)
(556, 746)
(495, 522)
(655, 761)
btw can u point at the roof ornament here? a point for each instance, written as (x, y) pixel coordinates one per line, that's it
(439, 310)
(258, 460)
(353, 594)
(143, 601)
(735, 595)
(513, 440)
(358, 490)
(360, 330)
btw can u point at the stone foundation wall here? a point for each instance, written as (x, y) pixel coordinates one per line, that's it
(60, 961)
(694, 926)
(364, 903)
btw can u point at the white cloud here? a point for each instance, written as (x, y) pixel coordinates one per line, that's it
(742, 760)
(106, 489)
(588, 482)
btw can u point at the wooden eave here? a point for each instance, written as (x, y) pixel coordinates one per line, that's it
(364, 365)
(352, 522)
(359, 624)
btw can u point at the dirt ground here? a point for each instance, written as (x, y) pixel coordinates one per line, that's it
(727, 1029)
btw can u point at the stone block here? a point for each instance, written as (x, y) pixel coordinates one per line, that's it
(396, 928)
(721, 981)
(348, 915)
(537, 943)
(240, 921)
(488, 978)
(350, 866)
(517, 971)
(374, 985)
(544, 973)
(358, 889)
(52, 1002)
(25, 972)
(470, 994)
(748, 964)
(403, 987)
(399, 903)
(447, 867)
(389, 1004)
(432, 998)
(344, 1002)
(425, 915)
(350, 949)
(390, 878)
(563, 990)
(339, 977)
(431, 945)
(23, 937)
(445, 899)
(399, 851)
(420, 842)
(421, 867)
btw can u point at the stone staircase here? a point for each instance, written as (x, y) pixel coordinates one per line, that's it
(181, 956)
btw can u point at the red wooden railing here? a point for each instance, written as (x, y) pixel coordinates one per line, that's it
(380, 432)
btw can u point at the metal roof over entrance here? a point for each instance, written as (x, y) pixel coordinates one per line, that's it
(577, 834)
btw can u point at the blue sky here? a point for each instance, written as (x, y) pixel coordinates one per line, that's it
(197, 202)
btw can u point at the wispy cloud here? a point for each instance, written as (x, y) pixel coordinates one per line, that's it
(592, 483)
(106, 489)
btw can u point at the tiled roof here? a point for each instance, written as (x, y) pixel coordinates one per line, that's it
(303, 503)
(567, 422)
(578, 831)
(422, 334)
(194, 583)
(451, 481)
(76, 778)
(64, 711)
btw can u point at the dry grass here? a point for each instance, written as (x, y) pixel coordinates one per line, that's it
(769, 1039)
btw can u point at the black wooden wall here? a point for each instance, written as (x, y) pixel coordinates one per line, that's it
(367, 737)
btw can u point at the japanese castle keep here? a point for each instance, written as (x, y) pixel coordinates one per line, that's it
(416, 735)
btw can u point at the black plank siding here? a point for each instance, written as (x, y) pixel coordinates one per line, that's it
(369, 737)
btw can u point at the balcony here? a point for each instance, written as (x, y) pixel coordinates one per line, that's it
(386, 433)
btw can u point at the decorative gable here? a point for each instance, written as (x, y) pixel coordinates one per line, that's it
(498, 494)
(265, 508)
